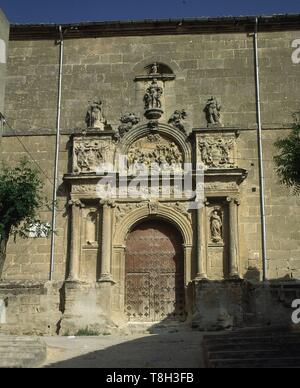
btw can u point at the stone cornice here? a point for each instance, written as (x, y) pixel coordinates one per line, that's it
(156, 27)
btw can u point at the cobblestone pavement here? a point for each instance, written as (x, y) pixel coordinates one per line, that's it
(177, 350)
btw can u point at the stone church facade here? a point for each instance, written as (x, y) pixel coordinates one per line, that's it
(167, 93)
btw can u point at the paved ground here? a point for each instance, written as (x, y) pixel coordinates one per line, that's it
(178, 350)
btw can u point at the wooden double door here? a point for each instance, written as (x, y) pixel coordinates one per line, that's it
(154, 290)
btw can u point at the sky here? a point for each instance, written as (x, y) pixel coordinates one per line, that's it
(72, 11)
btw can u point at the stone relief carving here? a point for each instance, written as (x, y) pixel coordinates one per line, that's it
(217, 152)
(84, 189)
(177, 120)
(94, 117)
(216, 226)
(221, 186)
(123, 209)
(213, 112)
(128, 121)
(153, 207)
(89, 156)
(154, 150)
(181, 207)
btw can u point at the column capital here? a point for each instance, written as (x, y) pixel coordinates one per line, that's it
(206, 202)
(233, 200)
(76, 203)
(107, 203)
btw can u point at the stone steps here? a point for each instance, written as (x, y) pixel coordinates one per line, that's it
(255, 349)
(21, 352)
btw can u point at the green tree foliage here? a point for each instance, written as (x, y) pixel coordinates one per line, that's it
(288, 160)
(20, 201)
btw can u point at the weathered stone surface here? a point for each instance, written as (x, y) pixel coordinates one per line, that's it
(21, 352)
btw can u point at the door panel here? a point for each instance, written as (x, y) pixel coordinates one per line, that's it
(154, 274)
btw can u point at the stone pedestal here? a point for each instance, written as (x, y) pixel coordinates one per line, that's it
(87, 307)
(218, 305)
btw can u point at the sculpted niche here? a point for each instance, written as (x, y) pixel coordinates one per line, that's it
(216, 226)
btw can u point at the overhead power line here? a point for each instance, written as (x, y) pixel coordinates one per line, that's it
(4, 120)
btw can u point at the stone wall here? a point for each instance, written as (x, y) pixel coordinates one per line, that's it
(31, 308)
(205, 65)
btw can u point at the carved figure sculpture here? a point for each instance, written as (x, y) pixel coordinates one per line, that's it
(94, 117)
(128, 121)
(216, 227)
(153, 96)
(177, 119)
(213, 112)
(154, 69)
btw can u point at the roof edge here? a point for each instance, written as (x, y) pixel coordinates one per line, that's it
(156, 27)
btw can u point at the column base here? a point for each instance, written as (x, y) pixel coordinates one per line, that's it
(72, 279)
(201, 277)
(234, 276)
(106, 278)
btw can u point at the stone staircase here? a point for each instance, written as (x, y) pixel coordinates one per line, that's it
(21, 352)
(253, 349)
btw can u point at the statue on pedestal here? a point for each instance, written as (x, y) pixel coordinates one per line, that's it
(213, 112)
(94, 117)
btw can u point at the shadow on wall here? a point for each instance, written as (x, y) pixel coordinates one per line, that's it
(156, 351)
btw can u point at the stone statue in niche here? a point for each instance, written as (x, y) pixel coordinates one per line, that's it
(92, 228)
(89, 156)
(94, 117)
(216, 226)
(153, 96)
(152, 100)
(154, 69)
(128, 121)
(216, 152)
(213, 112)
(177, 120)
